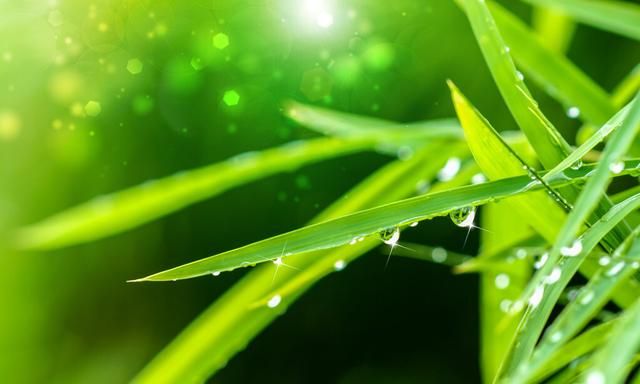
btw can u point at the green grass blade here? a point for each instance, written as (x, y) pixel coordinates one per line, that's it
(333, 123)
(344, 230)
(611, 362)
(436, 255)
(554, 29)
(621, 266)
(580, 346)
(499, 287)
(535, 318)
(233, 320)
(614, 16)
(599, 136)
(555, 74)
(114, 213)
(545, 139)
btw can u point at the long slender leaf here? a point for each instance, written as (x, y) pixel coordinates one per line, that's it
(114, 213)
(332, 123)
(560, 78)
(233, 320)
(344, 230)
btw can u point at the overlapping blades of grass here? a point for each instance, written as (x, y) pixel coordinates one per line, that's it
(555, 74)
(114, 213)
(613, 361)
(620, 17)
(536, 316)
(616, 269)
(344, 230)
(239, 315)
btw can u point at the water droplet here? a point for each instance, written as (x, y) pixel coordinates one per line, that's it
(604, 260)
(278, 261)
(519, 75)
(505, 305)
(274, 301)
(616, 167)
(536, 297)
(541, 260)
(439, 255)
(617, 267)
(353, 241)
(450, 169)
(502, 281)
(573, 250)
(595, 377)
(577, 165)
(339, 265)
(463, 217)
(555, 337)
(134, 66)
(635, 265)
(390, 236)
(414, 224)
(478, 178)
(573, 112)
(521, 253)
(517, 306)
(586, 297)
(554, 276)
(216, 273)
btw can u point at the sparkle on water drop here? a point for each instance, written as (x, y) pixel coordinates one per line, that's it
(541, 261)
(414, 224)
(519, 75)
(521, 253)
(555, 337)
(274, 301)
(463, 217)
(216, 273)
(604, 260)
(390, 236)
(339, 265)
(573, 250)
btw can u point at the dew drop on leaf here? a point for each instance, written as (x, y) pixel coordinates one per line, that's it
(274, 301)
(390, 235)
(463, 217)
(573, 250)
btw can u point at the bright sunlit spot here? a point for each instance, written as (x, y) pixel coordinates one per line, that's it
(317, 12)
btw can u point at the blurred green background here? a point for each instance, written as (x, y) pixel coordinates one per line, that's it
(96, 96)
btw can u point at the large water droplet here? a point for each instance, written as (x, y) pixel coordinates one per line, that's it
(577, 165)
(390, 236)
(463, 217)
